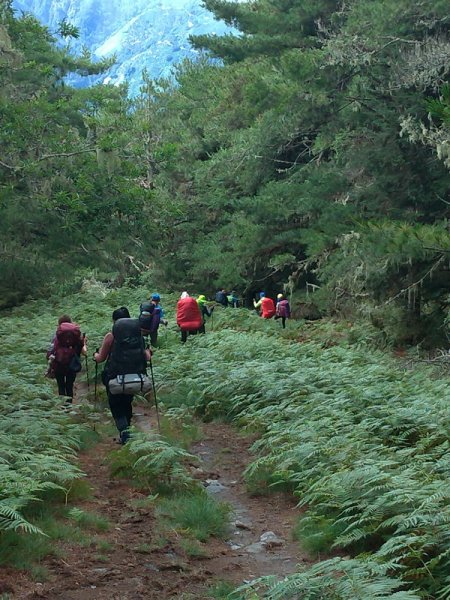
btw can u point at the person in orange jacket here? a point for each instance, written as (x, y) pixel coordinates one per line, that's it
(267, 306)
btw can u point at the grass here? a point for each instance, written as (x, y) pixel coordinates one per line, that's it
(89, 520)
(23, 551)
(152, 464)
(221, 590)
(178, 427)
(193, 548)
(143, 549)
(316, 535)
(198, 515)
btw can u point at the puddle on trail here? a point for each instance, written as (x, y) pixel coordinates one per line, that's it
(260, 540)
(261, 528)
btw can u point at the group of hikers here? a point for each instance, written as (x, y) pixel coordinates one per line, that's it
(127, 355)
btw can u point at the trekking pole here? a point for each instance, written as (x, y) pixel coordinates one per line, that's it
(86, 363)
(96, 377)
(154, 394)
(87, 372)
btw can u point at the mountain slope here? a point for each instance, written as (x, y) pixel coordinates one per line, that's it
(141, 33)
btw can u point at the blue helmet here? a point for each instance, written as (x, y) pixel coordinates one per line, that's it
(262, 294)
(156, 297)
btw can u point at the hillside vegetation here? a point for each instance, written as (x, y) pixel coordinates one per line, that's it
(312, 155)
(362, 443)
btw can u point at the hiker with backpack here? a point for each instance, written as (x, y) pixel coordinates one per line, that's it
(283, 310)
(266, 305)
(233, 300)
(151, 316)
(205, 310)
(221, 297)
(64, 355)
(189, 317)
(125, 372)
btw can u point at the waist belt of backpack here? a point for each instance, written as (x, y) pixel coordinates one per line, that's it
(140, 377)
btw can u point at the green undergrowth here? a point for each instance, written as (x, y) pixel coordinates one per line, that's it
(59, 523)
(363, 444)
(153, 464)
(41, 435)
(196, 515)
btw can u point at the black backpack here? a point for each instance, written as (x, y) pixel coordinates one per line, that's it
(146, 315)
(128, 350)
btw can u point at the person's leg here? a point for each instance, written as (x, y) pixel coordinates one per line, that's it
(128, 408)
(60, 380)
(118, 407)
(202, 328)
(183, 336)
(283, 322)
(154, 337)
(70, 380)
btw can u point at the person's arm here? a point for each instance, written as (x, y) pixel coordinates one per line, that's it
(104, 351)
(83, 349)
(257, 304)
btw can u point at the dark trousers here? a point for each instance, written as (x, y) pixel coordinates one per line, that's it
(185, 333)
(122, 411)
(65, 383)
(153, 337)
(283, 320)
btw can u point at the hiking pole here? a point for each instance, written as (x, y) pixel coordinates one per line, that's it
(86, 362)
(154, 395)
(87, 373)
(96, 377)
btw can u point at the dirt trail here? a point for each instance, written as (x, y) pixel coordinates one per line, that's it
(134, 561)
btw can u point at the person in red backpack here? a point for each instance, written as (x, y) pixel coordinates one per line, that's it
(189, 317)
(266, 304)
(283, 310)
(64, 355)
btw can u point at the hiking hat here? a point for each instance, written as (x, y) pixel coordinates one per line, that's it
(202, 298)
(184, 295)
(156, 297)
(280, 296)
(262, 294)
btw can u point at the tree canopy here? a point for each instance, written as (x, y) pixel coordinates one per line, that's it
(312, 152)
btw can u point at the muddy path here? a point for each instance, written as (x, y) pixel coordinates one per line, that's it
(260, 539)
(135, 560)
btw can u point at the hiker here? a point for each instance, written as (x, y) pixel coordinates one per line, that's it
(64, 355)
(266, 304)
(233, 300)
(283, 310)
(205, 310)
(221, 297)
(189, 317)
(124, 351)
(150, 316)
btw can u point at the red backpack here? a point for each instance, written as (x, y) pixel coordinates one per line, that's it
(67, 343)
(267, 308)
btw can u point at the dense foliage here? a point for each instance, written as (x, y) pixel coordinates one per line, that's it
(61, 210)
(313, 155)
(362, 443)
